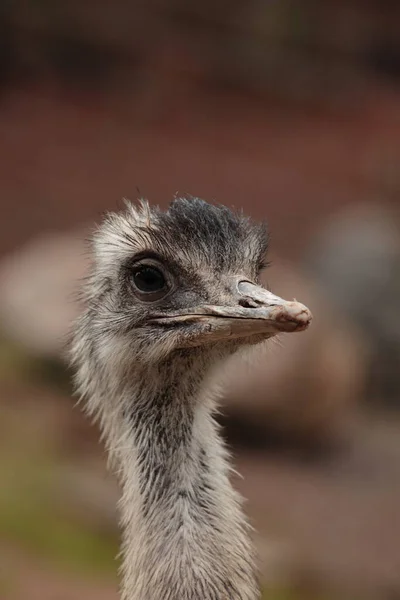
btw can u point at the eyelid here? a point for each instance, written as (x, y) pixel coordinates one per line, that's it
(147, 261)
(149, 255)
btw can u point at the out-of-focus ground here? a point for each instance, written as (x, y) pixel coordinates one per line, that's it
(292, 115)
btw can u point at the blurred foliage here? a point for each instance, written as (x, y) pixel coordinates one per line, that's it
(28, 516)
(17, 363)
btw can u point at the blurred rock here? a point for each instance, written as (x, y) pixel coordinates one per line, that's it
(37, 287)
(303, 388)
(356, 260)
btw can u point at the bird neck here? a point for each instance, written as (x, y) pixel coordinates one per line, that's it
(184, 534)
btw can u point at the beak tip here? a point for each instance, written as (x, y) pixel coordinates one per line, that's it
(295, 315)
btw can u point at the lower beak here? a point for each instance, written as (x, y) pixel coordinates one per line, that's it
(259, 312)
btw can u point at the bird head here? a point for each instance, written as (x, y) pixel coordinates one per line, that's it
(179, 280)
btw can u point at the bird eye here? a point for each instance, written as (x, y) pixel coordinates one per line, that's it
(149, 281)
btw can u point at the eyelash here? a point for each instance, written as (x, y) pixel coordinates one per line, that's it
(263, 264)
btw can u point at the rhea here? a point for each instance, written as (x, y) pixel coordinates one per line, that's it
(169, 295)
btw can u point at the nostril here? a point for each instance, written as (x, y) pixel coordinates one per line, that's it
(248, 303)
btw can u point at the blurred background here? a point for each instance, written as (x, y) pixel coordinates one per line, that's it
(288, 109)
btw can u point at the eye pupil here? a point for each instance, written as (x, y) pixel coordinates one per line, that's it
(149, 279)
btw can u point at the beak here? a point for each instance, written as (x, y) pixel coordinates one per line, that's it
(257, 312)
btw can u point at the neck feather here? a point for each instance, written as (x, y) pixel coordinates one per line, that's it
(185, 536)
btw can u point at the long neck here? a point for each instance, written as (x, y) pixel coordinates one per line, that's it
(185, 537)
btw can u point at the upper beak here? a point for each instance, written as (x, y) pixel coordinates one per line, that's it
(258, 311)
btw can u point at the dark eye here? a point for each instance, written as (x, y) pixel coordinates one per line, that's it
(149, 280)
